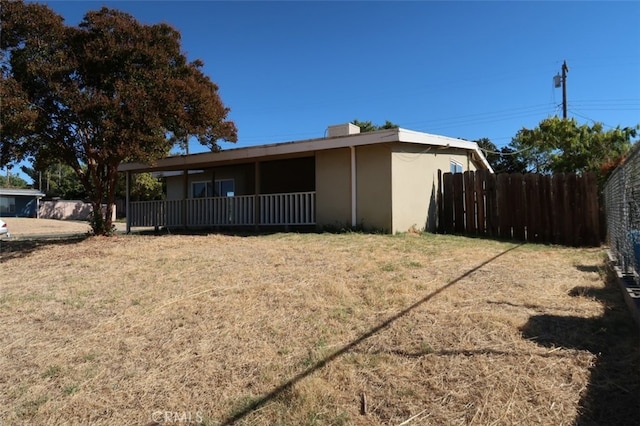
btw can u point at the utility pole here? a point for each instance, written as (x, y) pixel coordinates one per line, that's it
(565, 70)
(558, 81)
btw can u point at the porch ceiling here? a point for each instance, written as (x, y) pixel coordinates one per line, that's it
(202, 161)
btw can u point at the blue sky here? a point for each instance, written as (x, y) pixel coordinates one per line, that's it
(288, 70)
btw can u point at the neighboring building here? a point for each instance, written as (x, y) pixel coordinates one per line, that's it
(19, 202)
(384, 180)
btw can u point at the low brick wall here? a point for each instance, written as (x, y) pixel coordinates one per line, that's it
(69, 210)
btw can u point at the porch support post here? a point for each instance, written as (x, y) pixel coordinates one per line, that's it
(185, 195)
(211, 203)
(256, 197)
(128, 201)
(353, 186)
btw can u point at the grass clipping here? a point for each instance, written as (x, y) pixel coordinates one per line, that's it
(312, 329)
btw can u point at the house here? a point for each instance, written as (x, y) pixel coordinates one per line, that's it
(384, 180)
(19, 202)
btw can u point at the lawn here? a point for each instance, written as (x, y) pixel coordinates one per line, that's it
(312, 329)
(27, 228)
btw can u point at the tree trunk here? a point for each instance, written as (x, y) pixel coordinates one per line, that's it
(112, 181)
(97, 218)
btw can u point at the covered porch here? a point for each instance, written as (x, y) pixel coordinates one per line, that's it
(276, 191)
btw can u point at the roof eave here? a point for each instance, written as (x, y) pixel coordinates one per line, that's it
(21, 192)
(179, 162)
(261, 151)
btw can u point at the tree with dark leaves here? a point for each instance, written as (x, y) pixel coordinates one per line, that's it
(368, 126)
(559, 145)
(93, 96)
(502, 160)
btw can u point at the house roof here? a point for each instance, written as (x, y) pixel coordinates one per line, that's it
(21, 192)
(252, 153)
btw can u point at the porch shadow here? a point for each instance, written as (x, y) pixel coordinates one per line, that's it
(614, 388)
(286, 386)
(246, 231)
(231, 231)
(16, 249)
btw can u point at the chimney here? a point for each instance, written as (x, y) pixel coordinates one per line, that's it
(342, 130)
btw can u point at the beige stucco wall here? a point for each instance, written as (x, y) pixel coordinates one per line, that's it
(373, 187)
(395, 184)
(415, 183)
(333, 188)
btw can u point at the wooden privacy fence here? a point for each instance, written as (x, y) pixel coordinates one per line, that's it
(558, 209)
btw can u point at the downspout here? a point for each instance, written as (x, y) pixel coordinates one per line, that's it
(353, 186)
(128, 202)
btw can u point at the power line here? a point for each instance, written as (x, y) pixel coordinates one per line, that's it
(486, 151)
(598, 101)
(441, 123)
(573, 111)
(484, 117)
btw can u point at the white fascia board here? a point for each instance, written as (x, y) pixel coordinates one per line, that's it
(482, 158)
(445, 142)
(434, 140)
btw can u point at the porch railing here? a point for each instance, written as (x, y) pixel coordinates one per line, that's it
(297, 208)
(245, 210)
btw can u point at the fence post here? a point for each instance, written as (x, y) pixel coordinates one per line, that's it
(593, 210)
(458, 203)
(447, 207)
(546, 225)
(469, 202)
(480, 179)
(557, 203)
(532, 208)
(517, 205)
(571, 227)
(492, 204)
(504, 210)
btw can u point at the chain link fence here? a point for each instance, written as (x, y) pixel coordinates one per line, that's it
(622, 204)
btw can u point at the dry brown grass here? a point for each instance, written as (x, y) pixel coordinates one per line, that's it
(20, 227)
(302, 328)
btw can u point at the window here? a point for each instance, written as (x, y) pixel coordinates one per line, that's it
(223, 188)
(456, 167)
(7, 205)
(201, 189)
